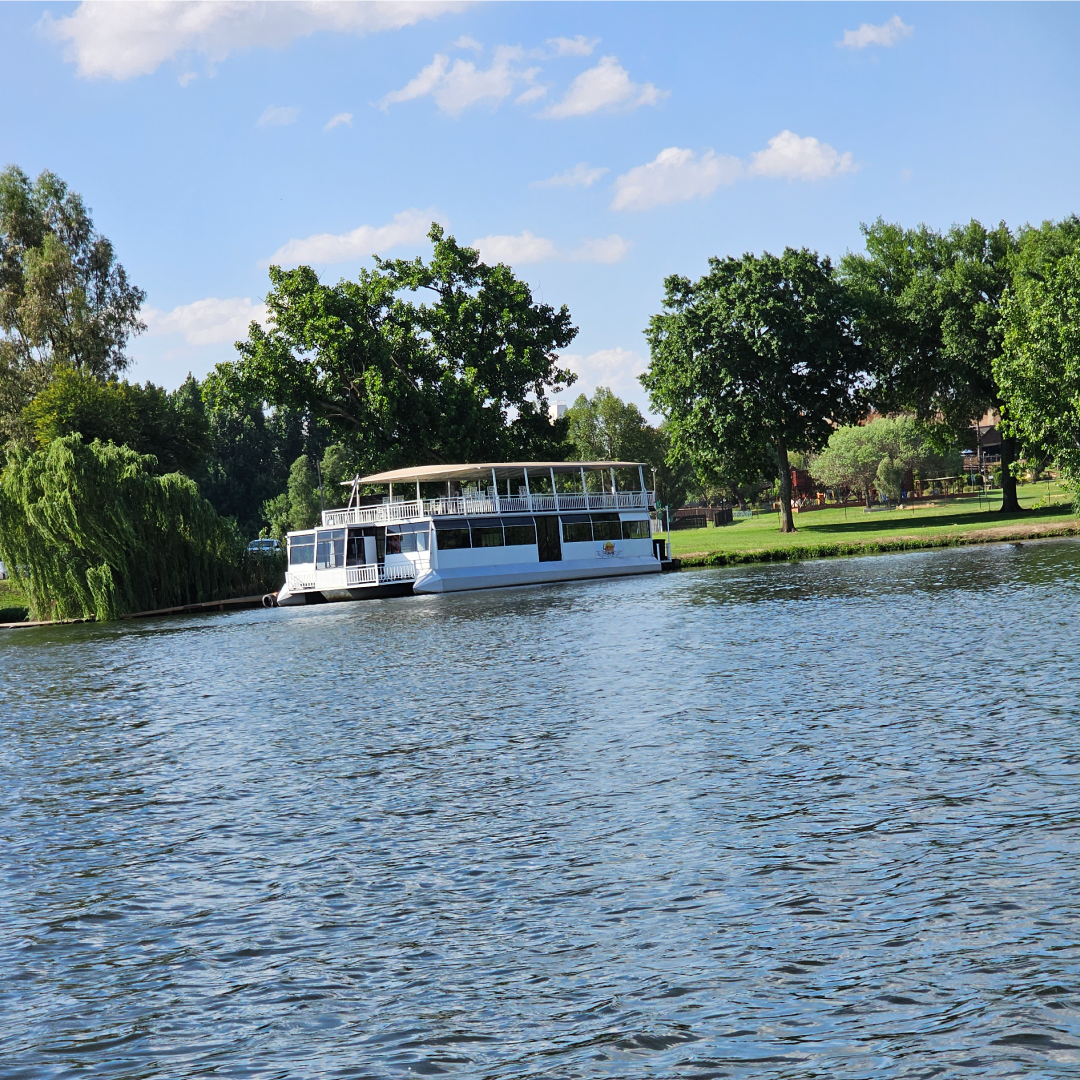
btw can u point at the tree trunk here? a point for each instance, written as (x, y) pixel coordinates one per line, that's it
(866, 497)
(787, 522)
(1010, 504)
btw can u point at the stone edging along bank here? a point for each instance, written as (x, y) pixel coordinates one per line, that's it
(798, 553)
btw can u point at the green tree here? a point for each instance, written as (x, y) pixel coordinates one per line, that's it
(92, 530)
(171, 427)
(930, 313)
(606, 428)
(877, 456)
(400, 381)
(251, 450)
(64, 299)
(298, 506)
(758, 354)
(1038, 370)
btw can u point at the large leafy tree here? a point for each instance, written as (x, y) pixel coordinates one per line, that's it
(64, 299)
(1038, 370)
(604, 427)
(930, 313)
(758, 354)
(447, 360)
(251, 448)
(170, 426)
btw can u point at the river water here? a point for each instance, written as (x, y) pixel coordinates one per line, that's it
(817, 820)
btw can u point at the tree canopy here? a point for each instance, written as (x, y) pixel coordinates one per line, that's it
(90, 529)
(606, 428)
(878, 454)
(1038, 370)
(460, 376)
(930, 313)
(171, 427)
(64, 299)
(759, 353)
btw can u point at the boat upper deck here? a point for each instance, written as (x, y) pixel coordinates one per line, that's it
(542, 487)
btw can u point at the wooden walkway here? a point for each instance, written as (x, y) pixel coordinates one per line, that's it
(236, 604)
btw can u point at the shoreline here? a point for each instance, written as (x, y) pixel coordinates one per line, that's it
(890, 545)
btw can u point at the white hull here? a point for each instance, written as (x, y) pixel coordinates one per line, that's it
(467, 578)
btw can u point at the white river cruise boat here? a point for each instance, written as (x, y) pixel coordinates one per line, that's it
(450, 528)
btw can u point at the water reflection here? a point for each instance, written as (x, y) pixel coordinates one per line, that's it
(780, 821)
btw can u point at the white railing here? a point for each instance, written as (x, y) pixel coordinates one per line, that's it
(361, 575)
(299, 581)
(465, 506)
(397, 572)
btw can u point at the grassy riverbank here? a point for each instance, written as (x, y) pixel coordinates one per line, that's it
(823, 533)
(14, 607)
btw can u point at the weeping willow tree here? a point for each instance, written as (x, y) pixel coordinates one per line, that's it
(91, 531)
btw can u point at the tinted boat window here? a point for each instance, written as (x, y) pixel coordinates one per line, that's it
(451, 533)
(636, 530)
(487, 535)
(606, 527)
(519, 531)
(577, 528)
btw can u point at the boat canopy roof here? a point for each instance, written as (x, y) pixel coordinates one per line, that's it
(424, 474)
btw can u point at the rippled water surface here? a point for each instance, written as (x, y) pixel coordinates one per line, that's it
(818, 820)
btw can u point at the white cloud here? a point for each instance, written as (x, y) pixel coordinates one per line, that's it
(278, 116)
(206, 322)
(408, 227)
(887, 35)
(187, 78)
(674, 175)
(422, 84)
(515, 250)
(524, 248)
(605, 87)
(532, 94)
(466, 42)
(337, 120)
(607, 249)
(575, 46)
(581, 175)
(122, 41)
(456, 88)
(617, 369)
(797, 158)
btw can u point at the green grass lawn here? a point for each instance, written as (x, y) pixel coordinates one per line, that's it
(927, 524)
(13, 604)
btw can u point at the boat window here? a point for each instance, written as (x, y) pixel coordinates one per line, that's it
(301, 549)
(636, 530)
(606, 527)
(355, 551)
(576, 528)
(406, 539)
(451, 533)
(519, 531)
(330, 549)
(487, 535)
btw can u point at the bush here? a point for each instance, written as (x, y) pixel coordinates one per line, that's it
(91, 531)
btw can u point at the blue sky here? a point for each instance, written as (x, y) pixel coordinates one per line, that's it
(595, 147)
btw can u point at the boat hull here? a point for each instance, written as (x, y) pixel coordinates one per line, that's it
(468, 578)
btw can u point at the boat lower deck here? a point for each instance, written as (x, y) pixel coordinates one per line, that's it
(464, 578)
